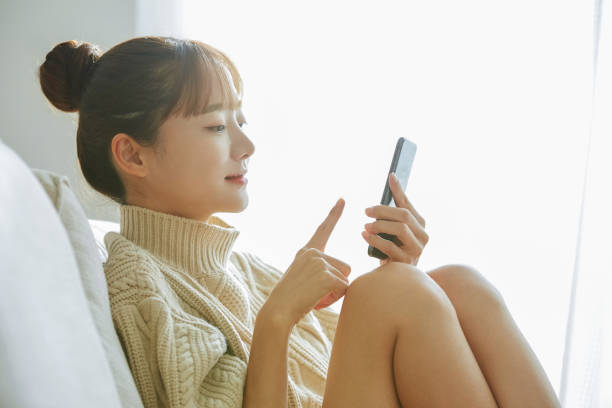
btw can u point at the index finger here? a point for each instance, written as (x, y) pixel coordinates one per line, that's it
(323, 232)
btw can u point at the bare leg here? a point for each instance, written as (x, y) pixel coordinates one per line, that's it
(360, 372)
(511, 368)
(399, 343)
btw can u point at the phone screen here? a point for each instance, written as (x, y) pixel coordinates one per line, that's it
(401, 164)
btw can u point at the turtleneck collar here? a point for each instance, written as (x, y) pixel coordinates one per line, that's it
(194, 245)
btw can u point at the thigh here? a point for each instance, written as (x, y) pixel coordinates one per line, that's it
(360, 372)
(469, 290)
(505, 357)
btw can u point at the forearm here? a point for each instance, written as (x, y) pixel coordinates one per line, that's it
(266, 381)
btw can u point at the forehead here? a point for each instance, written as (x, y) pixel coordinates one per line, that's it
(211, 85)
(216, 94)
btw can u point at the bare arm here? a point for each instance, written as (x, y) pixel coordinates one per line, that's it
(266, 381)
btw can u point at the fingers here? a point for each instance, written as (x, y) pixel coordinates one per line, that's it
(330, 299)
(337, 291)
(401, 199)
(323, 232)
(407, 231)
(387, 247)
(338, 287)
(342, 272)
(408, 241)
(404, 215)
(343, 268)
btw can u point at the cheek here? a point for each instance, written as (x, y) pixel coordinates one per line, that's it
(197, 164)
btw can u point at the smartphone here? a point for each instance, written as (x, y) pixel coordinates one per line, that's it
(401, 164)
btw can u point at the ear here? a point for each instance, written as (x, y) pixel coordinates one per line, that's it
(129, 156)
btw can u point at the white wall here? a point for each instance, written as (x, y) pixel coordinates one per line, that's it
(43, 136)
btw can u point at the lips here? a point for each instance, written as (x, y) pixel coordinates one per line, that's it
(236, 175)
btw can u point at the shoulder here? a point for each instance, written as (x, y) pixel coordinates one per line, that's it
(256, 268)
(129, 268)
(119, 247)
(248, 260)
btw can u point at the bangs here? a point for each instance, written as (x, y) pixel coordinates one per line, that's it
(201, 66)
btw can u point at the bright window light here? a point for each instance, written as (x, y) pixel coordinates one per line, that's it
(496, 95)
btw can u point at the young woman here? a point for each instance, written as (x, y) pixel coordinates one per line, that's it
(161, 132)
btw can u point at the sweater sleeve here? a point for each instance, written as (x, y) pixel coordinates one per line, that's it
(329, 321)
(178, 360)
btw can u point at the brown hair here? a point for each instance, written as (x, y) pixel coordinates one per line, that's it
(131, 88)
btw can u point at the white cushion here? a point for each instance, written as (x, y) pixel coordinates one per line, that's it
(89, 260)
(51, 353)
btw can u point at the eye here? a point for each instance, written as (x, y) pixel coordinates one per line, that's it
(223, 126)
(216, 127)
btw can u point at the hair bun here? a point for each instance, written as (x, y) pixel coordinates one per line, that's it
(66, 71)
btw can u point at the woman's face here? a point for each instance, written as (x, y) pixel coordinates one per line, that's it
(185, 173)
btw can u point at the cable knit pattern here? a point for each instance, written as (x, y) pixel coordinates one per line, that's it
(184, 306)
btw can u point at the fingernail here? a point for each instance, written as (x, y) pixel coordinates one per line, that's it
(393, 176)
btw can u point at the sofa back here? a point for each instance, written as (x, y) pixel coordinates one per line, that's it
(58, 347)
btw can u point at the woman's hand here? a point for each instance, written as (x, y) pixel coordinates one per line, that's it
(402, 221)
(314, 279)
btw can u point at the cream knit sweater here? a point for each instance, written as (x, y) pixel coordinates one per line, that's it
(184, 306)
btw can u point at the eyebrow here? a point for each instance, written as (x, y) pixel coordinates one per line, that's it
(217, 106)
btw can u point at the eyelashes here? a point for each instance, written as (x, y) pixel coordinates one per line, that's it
(212, 128)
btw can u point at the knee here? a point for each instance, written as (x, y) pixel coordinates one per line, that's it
(463, 282)
(398, 289)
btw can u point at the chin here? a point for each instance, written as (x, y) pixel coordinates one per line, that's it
(239, 206)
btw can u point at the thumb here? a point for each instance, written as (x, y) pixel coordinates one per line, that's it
(321, 235)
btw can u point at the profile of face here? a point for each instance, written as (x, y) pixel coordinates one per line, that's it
(185, 173)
